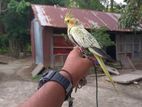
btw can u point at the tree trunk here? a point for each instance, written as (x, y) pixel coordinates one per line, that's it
(14, 47)
(111, 5)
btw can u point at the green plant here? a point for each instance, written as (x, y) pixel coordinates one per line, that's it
(16, 25)
(102, 36)
(16, 21)
(3, 44)
(131, 15)
(90, 4)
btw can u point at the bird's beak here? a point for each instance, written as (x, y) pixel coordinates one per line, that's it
(65, 20)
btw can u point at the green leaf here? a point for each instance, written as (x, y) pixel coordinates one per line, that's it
(102, 36)
(131, 15)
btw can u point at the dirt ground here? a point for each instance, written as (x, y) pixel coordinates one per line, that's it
(16, 85)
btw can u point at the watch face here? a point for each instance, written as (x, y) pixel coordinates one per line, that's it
(45, 77)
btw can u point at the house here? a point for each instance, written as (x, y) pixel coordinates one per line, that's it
(50, 48)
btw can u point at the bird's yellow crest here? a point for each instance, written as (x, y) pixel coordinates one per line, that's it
(68, 16)
(69, 19)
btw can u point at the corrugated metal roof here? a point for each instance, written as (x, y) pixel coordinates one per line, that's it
(53, 16)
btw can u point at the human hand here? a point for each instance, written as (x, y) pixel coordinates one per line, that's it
(76, 65)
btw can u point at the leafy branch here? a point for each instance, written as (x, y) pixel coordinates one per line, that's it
(102, 36)
(131, 15)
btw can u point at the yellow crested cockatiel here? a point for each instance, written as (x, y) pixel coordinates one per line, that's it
(79, 36)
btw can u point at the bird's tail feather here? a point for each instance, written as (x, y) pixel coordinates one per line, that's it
(101, 62)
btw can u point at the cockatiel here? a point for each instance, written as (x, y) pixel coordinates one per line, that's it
(79, 36)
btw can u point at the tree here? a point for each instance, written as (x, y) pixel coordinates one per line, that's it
(90, 4)
(3, 6)
(50, 2)
(111, 5)
(16, 19)
(16, 24)
(105, 3)
(102, 36)
(131, 16)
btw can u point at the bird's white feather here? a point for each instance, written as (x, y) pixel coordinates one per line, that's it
(84, 38)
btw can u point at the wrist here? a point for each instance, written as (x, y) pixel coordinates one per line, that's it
(69, 75)
(61, 78)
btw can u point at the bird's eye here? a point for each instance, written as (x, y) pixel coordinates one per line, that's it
(68, 21)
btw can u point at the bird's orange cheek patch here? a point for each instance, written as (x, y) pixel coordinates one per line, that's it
(71, 22)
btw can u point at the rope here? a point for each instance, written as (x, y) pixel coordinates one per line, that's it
(70, 102)
(96, 75)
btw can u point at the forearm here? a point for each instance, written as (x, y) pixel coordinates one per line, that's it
(51, 94)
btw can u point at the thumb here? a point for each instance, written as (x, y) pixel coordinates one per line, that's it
(76, 51)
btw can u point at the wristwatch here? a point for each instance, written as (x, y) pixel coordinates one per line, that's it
(53, 75)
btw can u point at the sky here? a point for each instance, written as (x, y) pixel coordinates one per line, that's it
(119, 1)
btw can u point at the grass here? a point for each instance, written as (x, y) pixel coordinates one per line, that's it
(3, 50)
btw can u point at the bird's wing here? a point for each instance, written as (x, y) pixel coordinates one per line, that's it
(71, 38)
(84, 39)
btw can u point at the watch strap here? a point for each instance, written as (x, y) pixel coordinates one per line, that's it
(53, 75)
(66, 84)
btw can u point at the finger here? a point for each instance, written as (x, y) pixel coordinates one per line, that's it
(76, 48)
(92, 58)
(87, 61)
(76, 51)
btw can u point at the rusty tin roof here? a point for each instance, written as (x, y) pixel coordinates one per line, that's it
(53, 16)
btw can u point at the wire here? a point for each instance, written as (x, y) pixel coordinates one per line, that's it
(96, 75)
